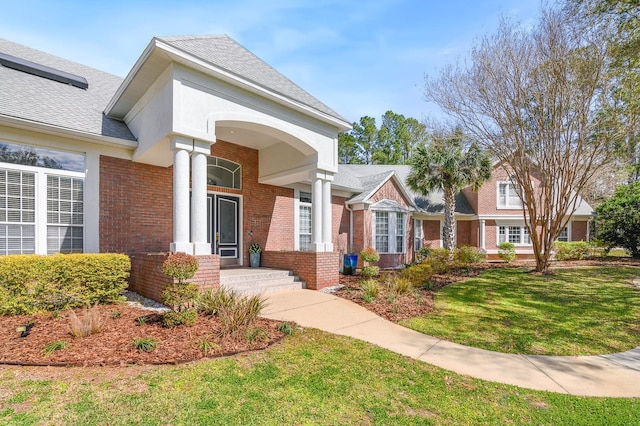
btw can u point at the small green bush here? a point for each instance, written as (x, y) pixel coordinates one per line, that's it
(369, 254)
(180, 266)
(285, 328)
(53, 346)
(142, 320)
(33, 283)
(422, 254)
(467, 255)
(400, 285)
(180, 296)
(173, 319)
(577, 250)
(208, 347)
(145, 344)
(370, 271)
(418, 275)
(240, 313)
(370, 289)
(440, 260)
(257, 335)
(210, 302)
(507, 251)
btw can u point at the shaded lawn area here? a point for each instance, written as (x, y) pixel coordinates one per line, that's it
(576, 311)
(310, 378)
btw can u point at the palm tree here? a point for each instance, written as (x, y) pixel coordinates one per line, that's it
(446, 164)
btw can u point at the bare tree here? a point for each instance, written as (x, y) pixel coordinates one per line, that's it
(533, 97)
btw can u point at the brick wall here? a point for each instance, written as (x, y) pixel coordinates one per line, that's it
(340, 225)
(268, 211)
(148, 280)
(431, 229)
(579, 230)
(136, 206)
(317, 270)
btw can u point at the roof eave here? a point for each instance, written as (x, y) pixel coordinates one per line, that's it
(66, 132)
(177, 55)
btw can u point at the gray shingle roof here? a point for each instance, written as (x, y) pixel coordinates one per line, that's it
(224, 52)
(371, 176)
(40, 100)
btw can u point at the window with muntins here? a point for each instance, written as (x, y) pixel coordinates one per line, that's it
(41, 201)
(518, 235)
(508, 195)
(224, 173)
(417, 229)
(304, 223)
(389, 232)
(564, 234)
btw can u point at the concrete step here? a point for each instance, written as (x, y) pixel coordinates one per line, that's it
(260, 281)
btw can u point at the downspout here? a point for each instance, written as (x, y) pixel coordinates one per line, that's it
(350, 210)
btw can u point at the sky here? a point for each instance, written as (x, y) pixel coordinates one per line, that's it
(358, 57)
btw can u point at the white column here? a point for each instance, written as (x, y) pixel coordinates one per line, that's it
(199, 198)
(181, 148)
(316, 214)
(326, 215)
(482, 235)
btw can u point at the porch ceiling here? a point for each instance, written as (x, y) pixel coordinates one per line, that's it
(245, 137)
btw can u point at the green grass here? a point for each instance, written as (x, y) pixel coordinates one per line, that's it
(311, 378)
(577, 311)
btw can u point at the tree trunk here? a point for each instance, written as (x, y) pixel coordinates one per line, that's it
(449, 237)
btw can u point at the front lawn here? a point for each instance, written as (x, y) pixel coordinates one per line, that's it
(576, 311)
(310, 378)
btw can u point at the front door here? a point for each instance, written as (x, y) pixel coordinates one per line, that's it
(225, 227)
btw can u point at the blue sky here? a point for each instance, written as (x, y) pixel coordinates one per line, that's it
(358, 57)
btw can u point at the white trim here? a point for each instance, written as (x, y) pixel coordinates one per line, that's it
(506, 206)
(392, 231)
(240, 222)
(522, 227)
(41, 222)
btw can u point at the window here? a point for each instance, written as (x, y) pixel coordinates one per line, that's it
(389, 232)
(508, 195)
(564, 234)
(418, 235)
(399, 233)
(304, 222)
(518, 235)
(224, 173)
(41, 201)
(382, 232)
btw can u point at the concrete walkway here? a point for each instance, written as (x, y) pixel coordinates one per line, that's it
(615, 375)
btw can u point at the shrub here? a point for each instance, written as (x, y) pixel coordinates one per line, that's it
(257, 334)
(33, 283)
(440, 260)
(142, 320)
(179, 296)
(285, 328)
(370, 289)
(467, 255)
(180, 266)
(572, 250)
(369, 254)
(418, 274)
(173, 319)
(208, 347)
(91, 322)
(255, 248)
(400, 285)
(240, 313)
(145, 344)
(507, 251)
(210, 302)
(53, 346)
(422, 254)
(370, 271)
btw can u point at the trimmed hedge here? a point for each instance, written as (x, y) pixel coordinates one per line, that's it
(575, 250)
(33, 283)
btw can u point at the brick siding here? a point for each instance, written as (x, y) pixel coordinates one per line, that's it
(317, 270)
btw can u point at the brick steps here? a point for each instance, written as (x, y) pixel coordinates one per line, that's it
(260, 281)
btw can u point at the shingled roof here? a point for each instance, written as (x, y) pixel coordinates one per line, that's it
(224, 52)
(44, 101)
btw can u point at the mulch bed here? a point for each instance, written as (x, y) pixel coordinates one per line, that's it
(420, 301)
(114, 344)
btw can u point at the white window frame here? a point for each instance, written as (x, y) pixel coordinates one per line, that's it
(393, 228)
(524, 236)
(567, 231)
(418, 235)
(296, 219)
(41, 222)
(506, 205)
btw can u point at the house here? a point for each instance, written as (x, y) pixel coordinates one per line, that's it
(387, 215)
(203, 148)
